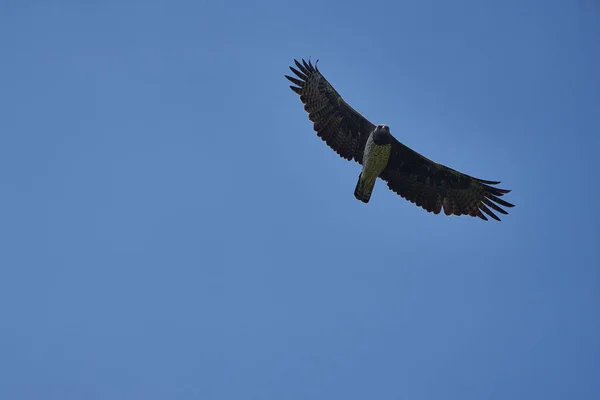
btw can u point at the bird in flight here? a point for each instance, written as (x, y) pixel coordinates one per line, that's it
(425, 183)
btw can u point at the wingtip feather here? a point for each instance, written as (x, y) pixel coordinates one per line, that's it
(480, 215)
(302, 67)
(499, 200)
(488, 182)
(489, 212)
(295, 81)
(299, 74)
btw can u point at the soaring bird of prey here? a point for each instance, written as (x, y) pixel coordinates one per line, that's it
(414, 177)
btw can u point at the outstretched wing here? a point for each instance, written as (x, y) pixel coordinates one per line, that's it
(343, 129)
(433, 186)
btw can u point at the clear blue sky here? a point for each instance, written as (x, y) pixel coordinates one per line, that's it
(172, 228)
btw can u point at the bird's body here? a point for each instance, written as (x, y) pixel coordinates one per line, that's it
(414, 177)
(375, 158)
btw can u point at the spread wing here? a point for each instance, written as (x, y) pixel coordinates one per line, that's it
(433, 186)
(343, 129)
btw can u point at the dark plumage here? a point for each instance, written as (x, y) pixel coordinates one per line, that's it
(416, 178)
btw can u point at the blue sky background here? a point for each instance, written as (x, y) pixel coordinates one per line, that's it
(172, 228)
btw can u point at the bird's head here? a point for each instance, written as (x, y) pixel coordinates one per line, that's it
(381, 134)
(383, 128)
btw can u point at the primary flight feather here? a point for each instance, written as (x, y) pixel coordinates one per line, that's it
(416, 178)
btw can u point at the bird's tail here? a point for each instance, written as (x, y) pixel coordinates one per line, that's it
(364, 188)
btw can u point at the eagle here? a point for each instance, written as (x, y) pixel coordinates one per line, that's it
(421, 181)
